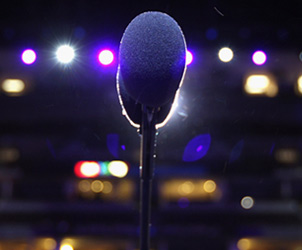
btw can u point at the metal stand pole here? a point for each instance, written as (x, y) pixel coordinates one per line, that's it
(148, 132)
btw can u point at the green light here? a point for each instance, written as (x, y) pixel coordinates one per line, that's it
(104, 168)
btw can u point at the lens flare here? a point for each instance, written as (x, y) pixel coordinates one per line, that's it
(106, 57)
(28, 56)
(65, 54)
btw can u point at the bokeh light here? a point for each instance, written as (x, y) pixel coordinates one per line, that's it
(247, 202)
(197, 148)
(186, 188)
(49, 244)
(244, 244)
(118, 168)
(87, 169)
(189, 57)
(259, 57)
(66, 247)
(13, 87)
(28, 56)
(261, 85)
(65, 54)
(225, 54)
(107, 187)
(209, 186)
(97, 186)
(299, 85)
(106, 57)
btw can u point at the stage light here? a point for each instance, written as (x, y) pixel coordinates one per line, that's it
(66, 247)
(65, 54)
(261, 85)
(118, 168)
(106, 57)
(259, 57)
(209, 186)
(247, 202)
(189, 57)
(87, 169)
(13, 87)
(28, 56)
(225, 54)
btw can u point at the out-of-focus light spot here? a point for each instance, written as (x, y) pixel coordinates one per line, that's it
(186, 188)
(225, 54)
(261, 85)
(299, 86)
(197, 148)
(123, 147)
(66, 247)
(13, 87)
(259, 57)
(118, 168)
(29, 56)
(8, 155)
(49, 244)
(247, 202)
(84, 186)
(244, 244)
(97, 186)
(107, 187)
(65, 54)
(106, 57)
(211, 34)
(209, 186)
(287, 156)
(104, 168)
(87, 169)
(183, 202)
(189, 57)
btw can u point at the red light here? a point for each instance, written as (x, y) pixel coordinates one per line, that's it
(87, 169)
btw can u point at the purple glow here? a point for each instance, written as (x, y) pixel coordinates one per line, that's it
(183, 202)
(123, 147)
(106, 57)
(259, 57)
(28, 56)
(197, 148)
(189, 57)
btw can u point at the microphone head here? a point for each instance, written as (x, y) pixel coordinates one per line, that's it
(152, 58)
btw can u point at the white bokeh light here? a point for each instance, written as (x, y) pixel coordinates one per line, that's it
(106, 57)
(225, 54)
(65, 54)
(259, 57)
(29, 56)
(247, 202)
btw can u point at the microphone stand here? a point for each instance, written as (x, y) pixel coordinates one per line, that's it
(148, 133)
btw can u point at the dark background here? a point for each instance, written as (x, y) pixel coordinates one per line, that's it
(72, 113)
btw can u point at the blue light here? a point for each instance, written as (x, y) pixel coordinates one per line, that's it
(197, 148)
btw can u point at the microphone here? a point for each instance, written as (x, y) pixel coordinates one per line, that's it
(152, 63)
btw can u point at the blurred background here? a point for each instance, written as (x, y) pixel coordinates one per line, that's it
(228, 169)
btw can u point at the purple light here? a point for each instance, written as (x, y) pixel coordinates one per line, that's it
(28, 56)
(106, 57)
(259, 57)
(189, 57)
(197, 148)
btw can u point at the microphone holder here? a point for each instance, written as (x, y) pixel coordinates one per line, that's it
(147, 151)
